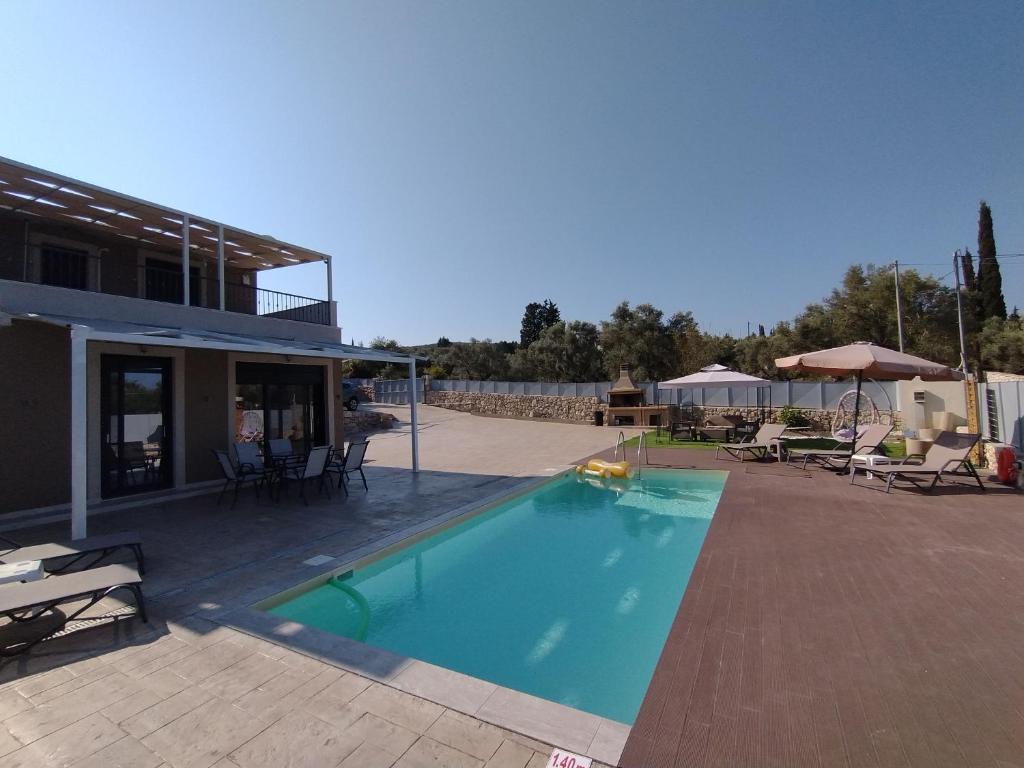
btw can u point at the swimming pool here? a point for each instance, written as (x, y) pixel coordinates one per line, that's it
(566, 592)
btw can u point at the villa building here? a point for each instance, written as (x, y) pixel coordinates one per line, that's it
(135, 339)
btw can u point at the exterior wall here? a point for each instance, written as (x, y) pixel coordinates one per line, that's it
(206, 403)
(939, 397)
(35, 411)
(12, 249)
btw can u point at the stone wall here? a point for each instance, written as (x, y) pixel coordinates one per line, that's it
(999, 377)
(578, 409)
(820, 420)
(581, 409)
(361, 422)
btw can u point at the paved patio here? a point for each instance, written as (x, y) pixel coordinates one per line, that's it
(190, 690)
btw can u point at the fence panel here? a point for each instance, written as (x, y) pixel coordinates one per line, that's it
(395, 392)
(715, 396)
(800, 394)
(1003, 404)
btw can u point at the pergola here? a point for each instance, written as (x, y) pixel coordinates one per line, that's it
(716, 375)
(31, 191)
(85, 330)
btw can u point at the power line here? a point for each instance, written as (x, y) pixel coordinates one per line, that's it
(943, 263)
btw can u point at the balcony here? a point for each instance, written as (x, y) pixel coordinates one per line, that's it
(152, 276)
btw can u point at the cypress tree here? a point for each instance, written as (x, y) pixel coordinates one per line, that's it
(990, 281)
(970, 278)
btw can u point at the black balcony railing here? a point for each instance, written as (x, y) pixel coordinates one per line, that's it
(156, 280)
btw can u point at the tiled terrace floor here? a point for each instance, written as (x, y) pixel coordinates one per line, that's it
(829, 625)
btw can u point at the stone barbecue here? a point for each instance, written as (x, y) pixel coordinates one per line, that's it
(626, 405)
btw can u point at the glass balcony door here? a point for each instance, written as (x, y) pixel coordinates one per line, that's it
(135, 407)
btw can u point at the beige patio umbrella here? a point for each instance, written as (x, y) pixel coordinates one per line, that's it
(864, 359)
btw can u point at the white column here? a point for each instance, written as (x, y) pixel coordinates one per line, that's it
(186, 299)
(331, 309)
(79, 434)
(220, 263)
(412, 417)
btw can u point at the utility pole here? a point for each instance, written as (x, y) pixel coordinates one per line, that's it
(899, 310)
(959, 312)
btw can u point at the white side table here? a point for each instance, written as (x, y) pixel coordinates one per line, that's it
(27, 570)
(871, 460)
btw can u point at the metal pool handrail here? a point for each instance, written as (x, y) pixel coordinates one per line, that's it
(642, 446)
(361, 604)
(620, 442)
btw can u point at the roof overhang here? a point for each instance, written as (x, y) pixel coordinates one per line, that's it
(44, 195)
(195, 338)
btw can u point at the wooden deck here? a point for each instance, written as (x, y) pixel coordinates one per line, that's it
(830, 625)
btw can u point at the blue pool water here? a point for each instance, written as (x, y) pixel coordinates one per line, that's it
(566, 592)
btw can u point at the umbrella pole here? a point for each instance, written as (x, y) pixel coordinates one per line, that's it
(856, 412)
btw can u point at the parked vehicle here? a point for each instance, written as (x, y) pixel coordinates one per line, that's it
(351, 395)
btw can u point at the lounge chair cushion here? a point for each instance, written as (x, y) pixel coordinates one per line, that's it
(19, 596)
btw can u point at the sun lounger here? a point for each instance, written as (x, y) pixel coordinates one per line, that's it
(868, 442)
(79, 554)
(34, 607)
(757, 446)
(949, 453)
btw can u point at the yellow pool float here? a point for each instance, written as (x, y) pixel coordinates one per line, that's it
(596, 467)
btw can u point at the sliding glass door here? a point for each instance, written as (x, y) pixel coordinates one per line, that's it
(135, 407)
(280, 401)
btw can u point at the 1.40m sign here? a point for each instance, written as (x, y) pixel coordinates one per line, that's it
(562, 759)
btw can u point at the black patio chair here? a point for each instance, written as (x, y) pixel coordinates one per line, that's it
(314, 468)
(239, 476)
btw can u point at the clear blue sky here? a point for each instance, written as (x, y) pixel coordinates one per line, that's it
(461, 159)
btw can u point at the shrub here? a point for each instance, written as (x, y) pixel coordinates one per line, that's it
(793, 417)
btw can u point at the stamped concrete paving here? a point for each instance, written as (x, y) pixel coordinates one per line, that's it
(187, 690)
(451, 441)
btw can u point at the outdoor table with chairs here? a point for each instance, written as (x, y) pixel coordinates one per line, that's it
(279, 465)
